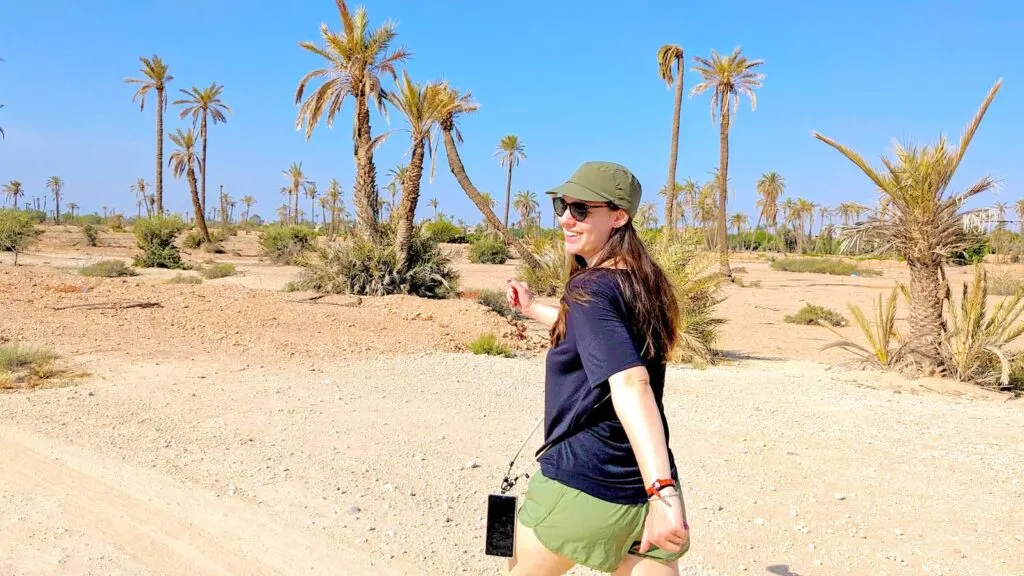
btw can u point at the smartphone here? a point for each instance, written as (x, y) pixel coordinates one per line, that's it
(501, 525)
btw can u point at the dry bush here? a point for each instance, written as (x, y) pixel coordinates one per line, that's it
(495, 300)
(812, 314)
(220, 270)
(107, 269)
(1004, 284)
(285, 244)
(26, 367)
(184, 279)
(550, 278)
(823, 266)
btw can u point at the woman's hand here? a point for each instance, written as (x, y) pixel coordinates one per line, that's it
(665, 526)
(519, 296)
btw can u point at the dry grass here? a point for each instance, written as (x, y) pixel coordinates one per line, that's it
(1004, 284)
(26, 368)
(823, 266)
(812, 314)
(183, 279)
(107, 269)
(221, 270)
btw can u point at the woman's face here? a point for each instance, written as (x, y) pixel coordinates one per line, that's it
(587, 237)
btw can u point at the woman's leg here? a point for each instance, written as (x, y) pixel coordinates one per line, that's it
(637, 566)
(531, 558)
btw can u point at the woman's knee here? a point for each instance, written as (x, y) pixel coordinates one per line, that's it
(531, 557)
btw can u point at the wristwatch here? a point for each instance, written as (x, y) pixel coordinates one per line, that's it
(659, 485)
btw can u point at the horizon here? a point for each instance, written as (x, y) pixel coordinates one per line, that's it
(69, 113)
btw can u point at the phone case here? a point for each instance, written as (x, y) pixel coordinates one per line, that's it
(501, 525)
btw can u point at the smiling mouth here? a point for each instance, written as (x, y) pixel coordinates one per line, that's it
(573, 234)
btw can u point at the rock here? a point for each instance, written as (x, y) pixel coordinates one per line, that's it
(839, 496)
(471, 464)
(354, 510)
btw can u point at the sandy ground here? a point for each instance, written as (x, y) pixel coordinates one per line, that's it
(230, 428)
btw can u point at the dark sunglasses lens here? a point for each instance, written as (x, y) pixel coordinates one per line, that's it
(560, 205)
(579, 211)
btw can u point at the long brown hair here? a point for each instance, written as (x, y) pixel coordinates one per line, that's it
(650, 298)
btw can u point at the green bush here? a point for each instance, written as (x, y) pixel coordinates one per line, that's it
(155, 236)
(490, 345)
(977, 247)
(488, 250)
(108, 269)
(444, 231)
(17, 232)
(367, 268)
(495, 300)
(812, 314)
(823, 266)
(116, 222)
(284, 244)
(221, 270)
(91, 234)
(194, 240)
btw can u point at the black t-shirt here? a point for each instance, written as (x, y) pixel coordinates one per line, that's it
(594, 456)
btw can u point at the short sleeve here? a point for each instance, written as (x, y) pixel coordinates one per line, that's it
(603, 337)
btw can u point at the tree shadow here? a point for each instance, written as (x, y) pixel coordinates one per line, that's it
(781, 570)
(732, 355)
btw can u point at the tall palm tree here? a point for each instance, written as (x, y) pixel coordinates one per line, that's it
(156, 78)
(183, 161)
(396, 184)
(14, 190)
(925, 222)
(510, 151)
(334, 200)
(202, 104)
(526, 204)
(727, 78)
(1001, 208)
(247, 201)
(676, 192)
(456, 105)
(297, 183)
(55, 184)
(311, 193)
(770, 187)
(670, 69)
(737, 221)
(356, 58)
(433, 203)
(72, 207)
(423, 107)
(139, 189)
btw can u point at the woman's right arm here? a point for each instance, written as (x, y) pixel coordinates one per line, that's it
(519, 297)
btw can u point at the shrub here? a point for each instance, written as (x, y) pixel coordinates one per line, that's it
(887, 348)
(490, 345)
(363, 267)
(25, 367)
(550, 278)
(116, 222)
(155, 236)
(221, 270)
(108, 269)
(17, 232)
(91, 234)
(816, 315)
(495, 300)
(744, 284)
(284, 244)
(444, 231)
(977, 247)
(488, 250)
(822, 266)
(180, 278)
(194, 240)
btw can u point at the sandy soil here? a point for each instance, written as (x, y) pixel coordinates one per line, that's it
(231, 428)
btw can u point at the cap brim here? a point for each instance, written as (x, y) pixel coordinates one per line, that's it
(578, 192)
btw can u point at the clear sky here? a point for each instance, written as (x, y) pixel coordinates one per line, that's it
(575, 80)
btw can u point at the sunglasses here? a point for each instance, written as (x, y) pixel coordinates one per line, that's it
(579, 210)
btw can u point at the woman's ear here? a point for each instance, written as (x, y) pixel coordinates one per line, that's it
(619, 218)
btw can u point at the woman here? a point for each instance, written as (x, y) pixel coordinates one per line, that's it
(606, 496)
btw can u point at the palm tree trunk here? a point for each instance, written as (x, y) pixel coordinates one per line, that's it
(459, 171)
(508, 190)
(670, 198)
(754, 237)
(723, 180)
(407, 211)
(364, 196)
(927, 289)
(202, 168)
(295, 215)
(56, 214)
(200, 217)
(160, 151)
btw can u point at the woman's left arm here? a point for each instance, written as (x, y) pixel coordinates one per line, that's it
(636, 408)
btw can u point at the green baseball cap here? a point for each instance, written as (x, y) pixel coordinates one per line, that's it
(603, 182)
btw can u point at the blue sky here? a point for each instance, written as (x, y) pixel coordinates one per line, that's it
(575, 80)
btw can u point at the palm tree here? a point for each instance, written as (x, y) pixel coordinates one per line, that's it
(526, 204)
(299, 182)
(455, 105)
(671, 55)
(1018, 209)
(397, 183)
(14, 190)
(925, 222)
(423, 107)
(510, 151)
(183, 161)
(770, 187)
(334, 198)
(311, 193)
(646, 216)
(433, 203)
(737, 221)
(201, 104)
(673, 200)
(287, 191)
(139, 189)
(356, 58)
(56, 185)
(157, 77)
(1001, 208)
(72, 207)
(690, 191)
(247, 201)
(727, 78)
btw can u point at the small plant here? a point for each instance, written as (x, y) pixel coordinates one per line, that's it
(490, 345)
(488, 250)
(550, 278)
(91, 234)
(221, 270)
(739, 270)
(25, 367)
(495, 300)
(17, 232)
(817, 315)
(284, 244)
(822, 266)
(180, 278)
(116, 223)
(444, 231)
(155, 236)
(887, 349)
(107, 269)
(744, 284)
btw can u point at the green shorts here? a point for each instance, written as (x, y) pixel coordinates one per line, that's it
(589, 531)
